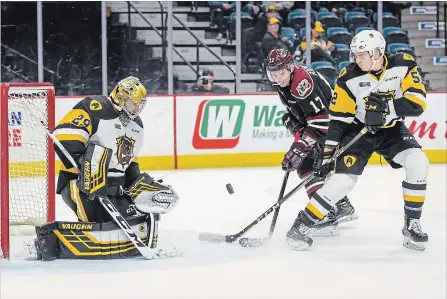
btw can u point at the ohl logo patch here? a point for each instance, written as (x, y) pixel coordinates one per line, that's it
(218, 124)
(125, 147)
(349, 161)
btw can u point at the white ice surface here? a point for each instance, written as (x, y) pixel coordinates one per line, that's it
(367, 260)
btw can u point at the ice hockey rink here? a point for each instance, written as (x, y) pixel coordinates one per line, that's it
(367, 259)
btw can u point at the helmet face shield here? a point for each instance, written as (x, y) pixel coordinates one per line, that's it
(278, 64)
(364, 46)
(130, 95)
(279, 76)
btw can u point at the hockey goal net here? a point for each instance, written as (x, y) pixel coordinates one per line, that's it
(27, 170)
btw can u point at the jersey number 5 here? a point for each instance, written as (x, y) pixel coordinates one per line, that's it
(416, 77)
(317, 104)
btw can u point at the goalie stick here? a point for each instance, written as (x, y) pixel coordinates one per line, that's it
(256, 242)
(146, 252)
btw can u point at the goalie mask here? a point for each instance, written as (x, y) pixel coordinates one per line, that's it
(151, 196)
(129, 98)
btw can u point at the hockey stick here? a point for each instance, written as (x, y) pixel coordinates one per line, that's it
(275, 216)
(217, 238)
(146, 252)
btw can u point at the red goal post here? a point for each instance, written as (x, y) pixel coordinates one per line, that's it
(27, 164)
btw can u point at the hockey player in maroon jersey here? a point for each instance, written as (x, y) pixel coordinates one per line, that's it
(306, 95)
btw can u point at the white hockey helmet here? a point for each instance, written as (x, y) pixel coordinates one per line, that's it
(368, 41)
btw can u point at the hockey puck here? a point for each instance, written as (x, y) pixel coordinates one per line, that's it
(230, 188)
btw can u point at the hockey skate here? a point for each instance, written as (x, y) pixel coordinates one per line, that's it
(298, 235)
(414, 237)
(344, 211)
(327, 226)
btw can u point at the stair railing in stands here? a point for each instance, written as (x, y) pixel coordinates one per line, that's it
(200, 42)
(160, 35)
(52, 73)
(8, 69)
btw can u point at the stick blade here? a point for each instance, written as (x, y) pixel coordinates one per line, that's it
(212, 238)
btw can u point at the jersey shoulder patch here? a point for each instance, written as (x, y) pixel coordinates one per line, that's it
(99, 107)
(349, 72)
(302, 83)
(401, 59)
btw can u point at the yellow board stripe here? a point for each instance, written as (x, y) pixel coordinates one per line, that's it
(314, 210)
(202, 161)
(413, 198)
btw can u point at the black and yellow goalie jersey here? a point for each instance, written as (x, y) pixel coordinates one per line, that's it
(400, 81)
(95, 120)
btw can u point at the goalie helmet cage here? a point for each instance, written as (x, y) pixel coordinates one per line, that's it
(27, 166)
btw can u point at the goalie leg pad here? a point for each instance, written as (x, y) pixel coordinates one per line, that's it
(90, 240)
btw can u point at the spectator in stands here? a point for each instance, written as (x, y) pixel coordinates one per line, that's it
(261, 25)
(272, 39)
(321, 48)
(205, 84)
(283, 9)
(219, 10)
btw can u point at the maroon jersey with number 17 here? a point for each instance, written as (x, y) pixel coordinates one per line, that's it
(307, 98)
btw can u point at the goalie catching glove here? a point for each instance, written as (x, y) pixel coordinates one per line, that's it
(151, 196)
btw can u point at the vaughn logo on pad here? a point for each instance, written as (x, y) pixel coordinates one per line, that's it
(218, 124)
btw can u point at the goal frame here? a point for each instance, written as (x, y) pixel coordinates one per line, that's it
(4, 158)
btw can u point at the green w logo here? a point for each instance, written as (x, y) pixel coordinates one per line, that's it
(218, 124)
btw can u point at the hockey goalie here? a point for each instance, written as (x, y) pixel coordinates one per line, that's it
(104, 136)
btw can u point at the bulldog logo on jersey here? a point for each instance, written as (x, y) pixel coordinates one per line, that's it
(125, 146)
(349, 160)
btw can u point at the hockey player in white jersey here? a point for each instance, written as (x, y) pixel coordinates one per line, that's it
(97, 122)
(377, 91)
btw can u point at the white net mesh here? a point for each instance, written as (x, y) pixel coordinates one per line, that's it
(28, 158)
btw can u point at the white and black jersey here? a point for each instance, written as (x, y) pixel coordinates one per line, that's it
(399, 81)
(95, 120)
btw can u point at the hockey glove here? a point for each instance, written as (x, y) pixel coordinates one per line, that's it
(322, 164)
(292, 124)
(376, 107)
(296, 154)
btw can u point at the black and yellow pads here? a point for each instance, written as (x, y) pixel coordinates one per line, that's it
(91, 240)
(143, 183)
(94, 168)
